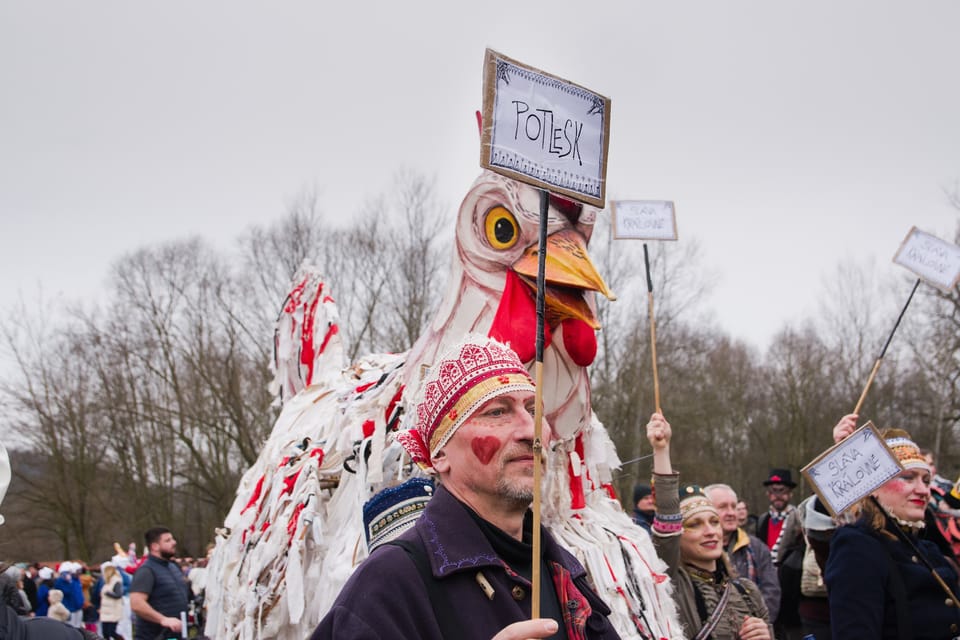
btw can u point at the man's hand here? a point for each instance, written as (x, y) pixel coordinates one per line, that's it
(753, 629)
(658, 432)
(528, 629)
(171, 623)
(140, 606)
(846, 426)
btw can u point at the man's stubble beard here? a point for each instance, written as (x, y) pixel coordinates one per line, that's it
(517, 494)
(515, 491)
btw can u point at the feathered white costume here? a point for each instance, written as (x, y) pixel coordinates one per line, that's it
(295, 532)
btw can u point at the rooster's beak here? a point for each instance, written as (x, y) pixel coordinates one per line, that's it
(568, 273)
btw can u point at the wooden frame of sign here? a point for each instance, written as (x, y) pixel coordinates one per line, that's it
(644, 219)
(851, 469)
(543, 130)
(935, 261)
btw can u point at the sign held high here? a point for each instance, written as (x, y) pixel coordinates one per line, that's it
(543, 130)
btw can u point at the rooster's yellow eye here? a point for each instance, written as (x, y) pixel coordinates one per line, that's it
(502, 229)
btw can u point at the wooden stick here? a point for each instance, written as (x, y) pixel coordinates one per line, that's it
(883, 352)
(538, 409)
(863, 396)
(653, 331)
(537, 475)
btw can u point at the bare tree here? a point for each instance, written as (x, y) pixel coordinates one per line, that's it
(56, 409)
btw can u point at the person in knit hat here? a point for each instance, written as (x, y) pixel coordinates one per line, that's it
(688, 535)
(464, 569)
(883, 578)
(643, 506)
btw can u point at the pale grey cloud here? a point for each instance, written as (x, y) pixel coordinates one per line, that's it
(790, 135)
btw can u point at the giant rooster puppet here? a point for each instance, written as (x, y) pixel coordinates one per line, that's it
(295, 531)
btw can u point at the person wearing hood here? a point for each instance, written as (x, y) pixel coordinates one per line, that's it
(69, 584)
(58, 611)
(43, 589)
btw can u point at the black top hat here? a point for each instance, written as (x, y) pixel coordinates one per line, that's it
(780, 476)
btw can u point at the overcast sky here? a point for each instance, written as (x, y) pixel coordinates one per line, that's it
(790, 135)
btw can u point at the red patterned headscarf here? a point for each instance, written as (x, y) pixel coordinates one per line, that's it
(466, 375)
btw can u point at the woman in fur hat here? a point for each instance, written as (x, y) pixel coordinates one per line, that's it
(57, 611)
(686, 531)
(883, 580)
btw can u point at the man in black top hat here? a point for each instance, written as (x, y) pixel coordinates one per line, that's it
(782, 529)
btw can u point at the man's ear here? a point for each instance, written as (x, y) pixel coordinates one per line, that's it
(440, 461)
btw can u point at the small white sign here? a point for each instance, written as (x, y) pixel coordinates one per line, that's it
(852, 469)
(543, 130)
(936, 261)
(644, 219)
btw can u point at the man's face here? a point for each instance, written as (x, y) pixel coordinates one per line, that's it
(779, 496)
(742, 513)
(646, 504)
(488, 463)
(725, 502)
(165, 547)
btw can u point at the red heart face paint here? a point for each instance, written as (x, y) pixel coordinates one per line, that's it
(485, 447)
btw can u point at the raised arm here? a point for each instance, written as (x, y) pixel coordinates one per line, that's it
(659, 434)
(668, 523)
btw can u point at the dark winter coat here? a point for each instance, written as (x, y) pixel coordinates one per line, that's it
(861, 582)
(387, 598)
(72, 591)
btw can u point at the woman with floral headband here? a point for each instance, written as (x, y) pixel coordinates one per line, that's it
(713, 603)
(883, 580)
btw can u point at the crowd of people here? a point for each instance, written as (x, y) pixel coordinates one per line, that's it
(881, 570)
(885, 569)
(121, 598)
(458, 547)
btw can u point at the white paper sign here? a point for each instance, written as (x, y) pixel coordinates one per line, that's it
(543, 130)
(852, 469)
(936, 261)
(644, 219)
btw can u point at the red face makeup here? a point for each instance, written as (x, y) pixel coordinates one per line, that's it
(485, 447)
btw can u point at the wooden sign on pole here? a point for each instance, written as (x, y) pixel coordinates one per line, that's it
(932, 260)
(935, 261)
(540, 129)
(852, 469)
(646, 220)
(554, 135)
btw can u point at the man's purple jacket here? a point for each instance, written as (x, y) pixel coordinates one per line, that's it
(386, 597)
